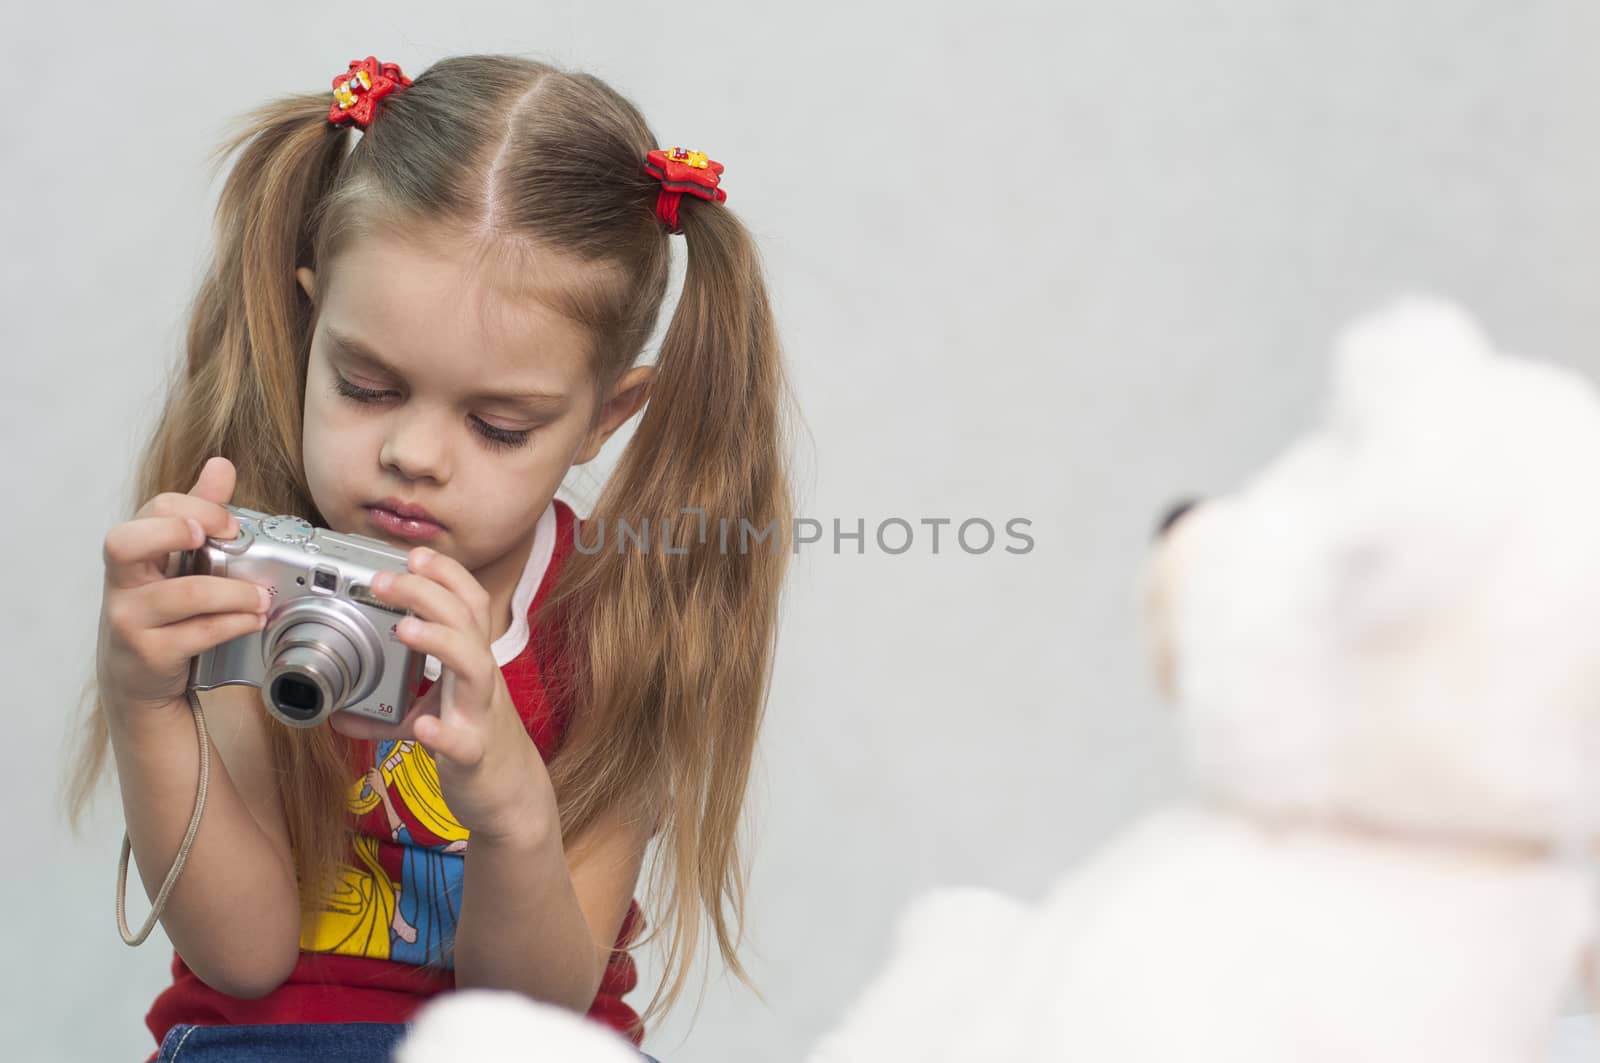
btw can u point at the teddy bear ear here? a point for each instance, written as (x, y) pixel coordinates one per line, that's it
(1412, 356)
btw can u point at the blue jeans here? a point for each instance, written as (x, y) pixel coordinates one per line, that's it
(344, 1042)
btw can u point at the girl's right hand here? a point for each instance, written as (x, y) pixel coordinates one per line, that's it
(151, 624)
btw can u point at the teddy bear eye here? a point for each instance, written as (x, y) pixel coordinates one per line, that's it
(1173, 514)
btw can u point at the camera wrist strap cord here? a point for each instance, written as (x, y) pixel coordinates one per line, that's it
(183, 850)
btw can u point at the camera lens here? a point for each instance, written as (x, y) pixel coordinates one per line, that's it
(296, 697)
(317, 667)
(319, 655)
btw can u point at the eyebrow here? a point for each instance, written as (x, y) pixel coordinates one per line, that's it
(352, 349)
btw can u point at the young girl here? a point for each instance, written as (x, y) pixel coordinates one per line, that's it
(414, 335)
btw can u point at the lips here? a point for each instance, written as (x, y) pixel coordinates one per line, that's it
(404, 520)
(407, 510)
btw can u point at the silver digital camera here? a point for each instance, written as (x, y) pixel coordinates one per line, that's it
(328, 645)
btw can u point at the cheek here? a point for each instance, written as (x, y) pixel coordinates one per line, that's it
(337, 422)
(559, 443)
(317, 429)
(333, 438)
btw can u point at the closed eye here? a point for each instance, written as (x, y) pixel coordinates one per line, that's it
(492, 436)
(359, 394)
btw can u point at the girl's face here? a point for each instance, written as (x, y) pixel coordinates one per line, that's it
(434, 387)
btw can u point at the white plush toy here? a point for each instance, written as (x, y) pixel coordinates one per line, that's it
(1384, 651)
(500, 1026)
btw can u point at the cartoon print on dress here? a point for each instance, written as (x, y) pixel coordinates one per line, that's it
(400, 901)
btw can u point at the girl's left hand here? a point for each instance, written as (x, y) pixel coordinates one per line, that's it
(492, 775)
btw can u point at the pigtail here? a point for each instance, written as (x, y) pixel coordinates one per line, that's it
(238, 394)
(680, 645)
(251, 322)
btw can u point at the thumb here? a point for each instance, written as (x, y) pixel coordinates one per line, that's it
(216, 483)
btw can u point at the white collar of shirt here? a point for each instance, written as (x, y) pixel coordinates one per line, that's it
(507, 646)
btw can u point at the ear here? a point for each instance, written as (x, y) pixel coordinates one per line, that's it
(628, 396)
(308, 282)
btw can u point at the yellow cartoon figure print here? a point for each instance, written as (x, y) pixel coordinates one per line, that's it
(399, 897)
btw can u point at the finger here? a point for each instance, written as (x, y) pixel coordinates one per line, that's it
(463, 655)
(353, 725)
(194, 636)
(173, 600)
(217, 480)
(453, 575)
(458, 744)
(216, 520)
(428, 599)
(136, 552)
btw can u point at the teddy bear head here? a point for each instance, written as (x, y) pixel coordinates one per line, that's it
(1397, 620)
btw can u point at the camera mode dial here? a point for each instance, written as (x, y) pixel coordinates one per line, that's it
(287, 529)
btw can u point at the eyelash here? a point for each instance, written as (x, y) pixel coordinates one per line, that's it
(497, 438)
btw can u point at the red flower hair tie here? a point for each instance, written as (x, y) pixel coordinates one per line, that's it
(357, 92)
(680, 170)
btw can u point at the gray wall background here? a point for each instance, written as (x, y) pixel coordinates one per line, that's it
(1060, 261)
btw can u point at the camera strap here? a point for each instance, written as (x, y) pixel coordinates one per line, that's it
(183, 850)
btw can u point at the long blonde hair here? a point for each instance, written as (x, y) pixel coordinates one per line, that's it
(670, 650)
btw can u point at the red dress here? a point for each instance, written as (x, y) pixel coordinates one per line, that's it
(379, 947)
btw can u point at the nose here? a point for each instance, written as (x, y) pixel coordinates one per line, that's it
(1174, 513)
(414, 446)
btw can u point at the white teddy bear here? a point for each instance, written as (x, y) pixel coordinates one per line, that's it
(1385, 654)
(501, 1026)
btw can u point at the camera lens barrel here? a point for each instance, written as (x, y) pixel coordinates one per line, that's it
(319, 656)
